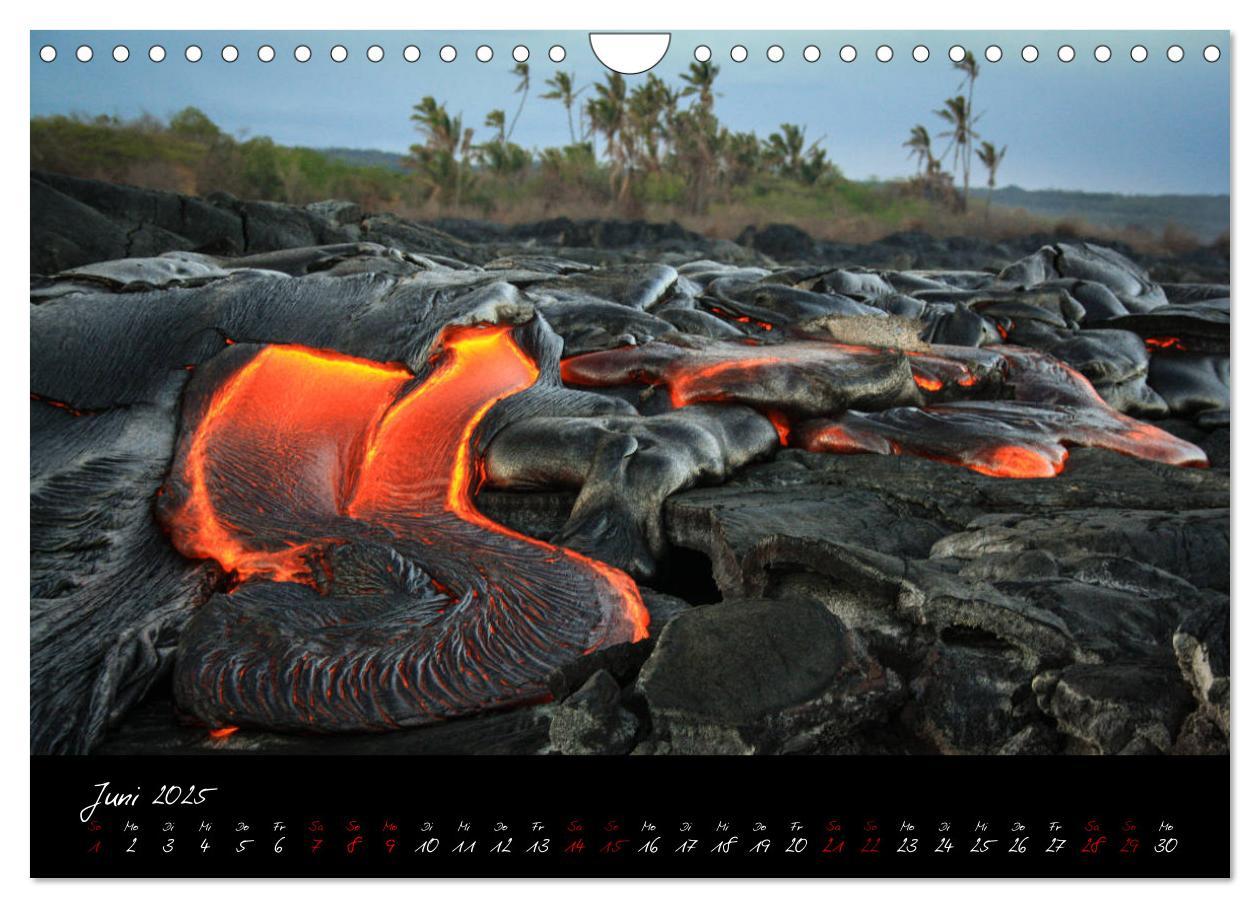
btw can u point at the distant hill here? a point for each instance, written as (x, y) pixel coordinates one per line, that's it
(1207, 216)
(365, 157)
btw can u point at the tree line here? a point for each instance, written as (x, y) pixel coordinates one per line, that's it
(656, 148)
(652, 135)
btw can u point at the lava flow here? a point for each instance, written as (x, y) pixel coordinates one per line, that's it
(870, 400)
(804, 377)
(355, 480)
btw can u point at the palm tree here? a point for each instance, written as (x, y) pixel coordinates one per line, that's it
(815, 166)
(740, 154)
(786, 151)
(971, 71)
(606, 112)
(695, 132)
(440, 160)
(785, 148)
(647, 105)
(440, 130)
(991, 158)
(499, 155)
(562, 90)
(497, 120)
(920, 145)
(521, 71)
(961, 133)
(699, 79)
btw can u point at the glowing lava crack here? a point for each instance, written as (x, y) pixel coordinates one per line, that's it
(371, 593)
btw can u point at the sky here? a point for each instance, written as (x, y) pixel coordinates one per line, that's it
(1119, 126)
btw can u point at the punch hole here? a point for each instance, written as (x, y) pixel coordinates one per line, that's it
(83, 53)
(1030, 53)
(229, 53)
(556, 53)
(920, 53)
(48, 53)
(447, 53)
(121, 53)
(739, 53)
(485, 53)
(411, 53)
(1067, 53)
(957, 53)
(520, 53)
(1102, 53)
(811, 53)
(266, 53)
(702, 53)
(993, 53)
(192, 53)
(629, 53)
(375, 53)
(1175, 54)
(1211, 53)
(883, 53)
(157, 53)
(848, 53)
(338, 53)
(302, 53)
(1138, 54)
(774, 53)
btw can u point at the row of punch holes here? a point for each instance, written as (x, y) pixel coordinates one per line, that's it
(775, 53)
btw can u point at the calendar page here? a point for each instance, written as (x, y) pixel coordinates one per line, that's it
(630, 454)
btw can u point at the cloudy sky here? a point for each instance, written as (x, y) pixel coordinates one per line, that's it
(1119, 126)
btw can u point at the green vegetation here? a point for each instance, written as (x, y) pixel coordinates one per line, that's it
(656, 150)
(190, 154)
(638, 152)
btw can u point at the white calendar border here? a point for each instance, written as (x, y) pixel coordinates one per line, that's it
(632, 15)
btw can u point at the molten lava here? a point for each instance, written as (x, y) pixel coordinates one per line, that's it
(59, 404)
(1025, 437)
(741, 319)
(300, 414)
(804, 377)
(355, 479)
(1044, 407)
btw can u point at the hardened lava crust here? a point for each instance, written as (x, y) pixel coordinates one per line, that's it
(315, 480)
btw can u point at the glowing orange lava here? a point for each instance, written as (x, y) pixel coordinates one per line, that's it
(220, 733)
(1045, 405)
(325, 437)
(1025, 437)
(782, 425)
(1018, 462)
(742, 319)
(59, 404)
(306, 411)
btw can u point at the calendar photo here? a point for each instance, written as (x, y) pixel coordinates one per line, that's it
(677, 406)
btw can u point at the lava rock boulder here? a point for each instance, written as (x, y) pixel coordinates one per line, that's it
(761, 676)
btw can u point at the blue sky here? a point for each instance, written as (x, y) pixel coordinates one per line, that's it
(1120, 126)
